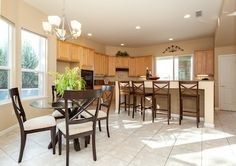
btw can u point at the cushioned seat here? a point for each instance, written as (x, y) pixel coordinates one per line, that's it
(57, 114)
(39, 123)
(75, 128)
(101, 114)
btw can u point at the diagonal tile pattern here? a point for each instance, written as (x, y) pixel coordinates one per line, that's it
(136, 143)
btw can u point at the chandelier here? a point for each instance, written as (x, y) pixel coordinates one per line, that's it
(57, 25)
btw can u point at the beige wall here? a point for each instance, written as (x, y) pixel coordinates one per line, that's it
(25, 16)
(221, 51)
(189, 46)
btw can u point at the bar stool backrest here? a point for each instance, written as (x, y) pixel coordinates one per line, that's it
(188, 88)
(138, 87)
(124, 87)
(161, 87)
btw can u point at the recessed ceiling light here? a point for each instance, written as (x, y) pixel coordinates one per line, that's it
(170, 39)
(232, 14)
(122, 44)
(137, 27)
(187, 16)
(90, 34)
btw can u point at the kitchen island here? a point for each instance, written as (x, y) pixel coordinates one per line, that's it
(208, 99)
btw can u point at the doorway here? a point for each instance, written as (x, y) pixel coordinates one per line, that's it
(227, 82)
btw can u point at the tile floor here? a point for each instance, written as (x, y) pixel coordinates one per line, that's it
(136, 143)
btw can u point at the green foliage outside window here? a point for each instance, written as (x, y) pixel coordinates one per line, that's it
(29, 61)
(3, 73)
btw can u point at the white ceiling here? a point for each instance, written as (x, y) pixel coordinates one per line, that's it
(113, 22)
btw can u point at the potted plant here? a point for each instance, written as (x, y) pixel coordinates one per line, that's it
(70, 80)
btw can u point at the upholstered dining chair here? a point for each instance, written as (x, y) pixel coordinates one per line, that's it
(104, 107)
(56, 114)
(33, 125)
(75, 127)
(125, 93)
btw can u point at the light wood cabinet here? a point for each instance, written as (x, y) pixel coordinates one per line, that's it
(63, 51)
(141, 64)
(132, 66)
(204, 62)
(74, 53)
(111, 66)
(87, 59)
(101, 64)
(122, 62)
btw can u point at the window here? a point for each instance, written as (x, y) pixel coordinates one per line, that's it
(33, 64)
(174, 67)
(6, 43)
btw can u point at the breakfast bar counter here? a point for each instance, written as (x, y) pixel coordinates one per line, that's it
(208, 98)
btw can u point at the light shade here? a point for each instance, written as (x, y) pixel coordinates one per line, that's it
(54, 20)
(47, 26)
(75, 25)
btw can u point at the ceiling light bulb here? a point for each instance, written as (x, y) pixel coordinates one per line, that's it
(47, 27)
(122, 44)
(187, 16)
(75, 25)
(137, 27)
(90, 34)
(170, 39)
(232, 14)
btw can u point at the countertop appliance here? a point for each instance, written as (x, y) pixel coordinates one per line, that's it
(87, 75)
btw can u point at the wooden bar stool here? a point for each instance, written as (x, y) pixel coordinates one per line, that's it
(125, 92)
(138, 90)
(161, 89)
(189, 90)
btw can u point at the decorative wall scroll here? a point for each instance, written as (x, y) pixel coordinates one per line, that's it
(173, 48)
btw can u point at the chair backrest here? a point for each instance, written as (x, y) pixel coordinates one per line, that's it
(188, 88)
(55, 96)
(124, 87)
(106, 97)
(161, 87)
(138, 88)
(18, 108)
(80, 102)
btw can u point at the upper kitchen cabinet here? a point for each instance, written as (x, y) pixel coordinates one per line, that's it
(74, 53)
(141, 63)
(101, 65)
(111, 66)
(132, 67)
(63, 51)
(122, 62)
(87, 59)
(204, 62)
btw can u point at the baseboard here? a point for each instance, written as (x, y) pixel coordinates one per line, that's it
(3, 132)
(186, 117)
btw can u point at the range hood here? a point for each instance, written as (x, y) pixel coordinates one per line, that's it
(122, 69)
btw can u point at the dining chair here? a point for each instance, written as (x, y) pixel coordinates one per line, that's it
(138, 90)
(125, 93)
(55, 97)
(75, 127)
(189, 90)
(33, 125)
(104, 107)
(161, 90)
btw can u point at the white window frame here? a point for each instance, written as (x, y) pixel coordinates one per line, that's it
(174, 57)
(42, 74)
(11, 46)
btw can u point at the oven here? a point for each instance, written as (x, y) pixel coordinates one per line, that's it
(87, 75)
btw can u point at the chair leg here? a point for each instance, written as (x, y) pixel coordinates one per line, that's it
(99, 125)
(94, 147)
(125, 103)
(67, 151)
(129, 105)
(59, 142)
(108, 133)
(143, 109)
(22, 146)
(77, 144)
(53, 135)
(180, 111)
(169, 109)
(134, 105)
(119, 104)
(197, 112)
